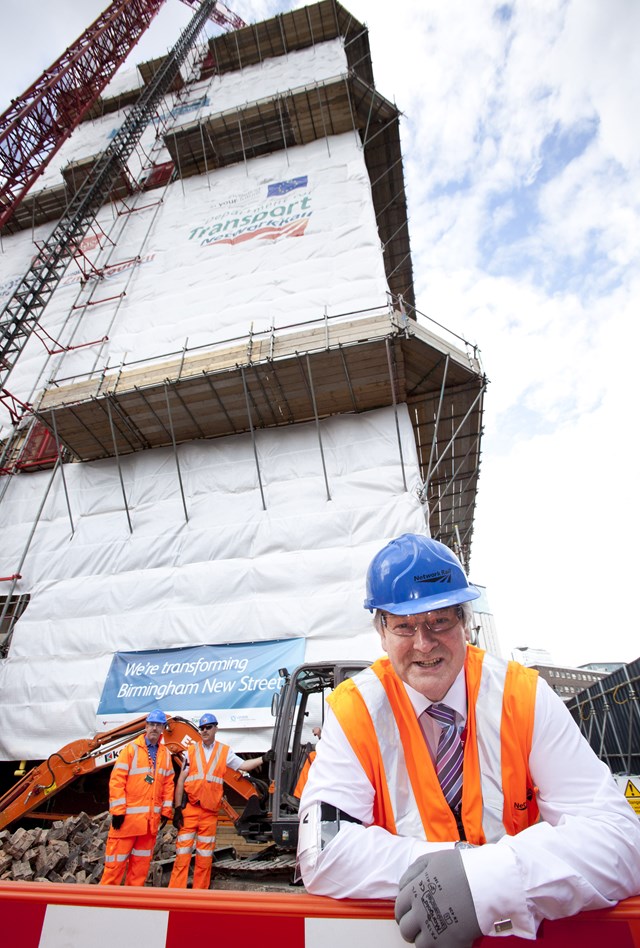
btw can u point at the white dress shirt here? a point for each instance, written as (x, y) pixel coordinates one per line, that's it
(583, 854)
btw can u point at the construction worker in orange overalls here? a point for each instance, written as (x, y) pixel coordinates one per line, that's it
(140, 797)
(202, 778)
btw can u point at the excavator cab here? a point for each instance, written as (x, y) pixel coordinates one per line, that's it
(298, 707)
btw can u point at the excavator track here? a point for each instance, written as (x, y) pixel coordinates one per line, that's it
(256, 867)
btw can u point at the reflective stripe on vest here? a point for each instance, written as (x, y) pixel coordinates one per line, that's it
(488, 724)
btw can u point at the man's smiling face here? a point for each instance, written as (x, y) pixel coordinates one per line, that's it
(427, 660)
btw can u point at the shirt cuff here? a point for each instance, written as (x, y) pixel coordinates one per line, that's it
(497, 891)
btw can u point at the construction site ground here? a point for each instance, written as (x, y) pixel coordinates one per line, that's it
(72, 851)
(254, 868)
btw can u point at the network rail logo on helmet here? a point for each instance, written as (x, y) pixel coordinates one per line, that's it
(440, 576)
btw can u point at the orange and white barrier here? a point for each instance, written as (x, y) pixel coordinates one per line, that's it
(50, 915)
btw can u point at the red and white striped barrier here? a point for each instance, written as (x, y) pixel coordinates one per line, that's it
(40, 915)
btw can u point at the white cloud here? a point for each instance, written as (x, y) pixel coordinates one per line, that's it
(596, 61)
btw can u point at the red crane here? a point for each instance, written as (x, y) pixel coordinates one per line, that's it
(37, 123)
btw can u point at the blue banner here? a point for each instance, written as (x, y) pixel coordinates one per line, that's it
(237, 682)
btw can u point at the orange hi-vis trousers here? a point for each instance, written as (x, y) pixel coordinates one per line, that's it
(132, 853)
(199, 830)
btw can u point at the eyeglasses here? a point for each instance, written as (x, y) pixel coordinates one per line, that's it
(207, 727)
(437, 622)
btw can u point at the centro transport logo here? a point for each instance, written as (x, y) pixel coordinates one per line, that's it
(439, 576)
(270, 217)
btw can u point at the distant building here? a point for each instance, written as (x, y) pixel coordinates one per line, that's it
(606, 667)
(486, 633)
(568, 682)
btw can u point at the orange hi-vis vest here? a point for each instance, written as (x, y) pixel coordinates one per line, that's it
(498, 795)
(205, 781)
(140, 792)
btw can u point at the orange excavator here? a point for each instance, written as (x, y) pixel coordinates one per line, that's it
(267, 810)
(86, 756)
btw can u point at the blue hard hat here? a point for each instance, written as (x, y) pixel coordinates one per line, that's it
(156, 717)
(208, 719)
(416, 574)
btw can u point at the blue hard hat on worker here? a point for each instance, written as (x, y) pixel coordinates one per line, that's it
(416, 574)
(208, 719)
(156, 717)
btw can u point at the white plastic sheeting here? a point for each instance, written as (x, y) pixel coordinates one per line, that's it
(234, 572)
(217, 94)
(214, 260)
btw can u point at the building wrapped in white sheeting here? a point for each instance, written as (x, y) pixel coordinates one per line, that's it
(229, 403)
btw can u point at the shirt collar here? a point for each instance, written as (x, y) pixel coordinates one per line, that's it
(456, 698)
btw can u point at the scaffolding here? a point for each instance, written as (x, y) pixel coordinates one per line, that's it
(294, 374)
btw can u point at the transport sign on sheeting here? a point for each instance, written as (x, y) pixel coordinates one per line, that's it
(632, 793)
(237, 682)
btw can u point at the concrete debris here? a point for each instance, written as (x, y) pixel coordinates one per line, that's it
(73, 851)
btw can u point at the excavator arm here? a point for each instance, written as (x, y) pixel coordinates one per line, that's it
(84, 757)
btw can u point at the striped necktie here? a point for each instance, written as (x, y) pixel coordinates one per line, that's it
(449, 755)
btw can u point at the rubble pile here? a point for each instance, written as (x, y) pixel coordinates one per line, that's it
(72, 851)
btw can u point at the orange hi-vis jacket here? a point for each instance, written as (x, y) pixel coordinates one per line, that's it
(498, 795)
(205, 780)
(138, 791)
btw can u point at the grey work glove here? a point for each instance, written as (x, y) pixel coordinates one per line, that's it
(434, 905)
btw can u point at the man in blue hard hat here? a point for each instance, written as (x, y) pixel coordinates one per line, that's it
(140, 798)
(455, 782)
(202, 779)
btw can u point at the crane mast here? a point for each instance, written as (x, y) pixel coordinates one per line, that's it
(43, 119)
(36, 124)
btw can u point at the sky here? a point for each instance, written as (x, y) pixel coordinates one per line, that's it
(522, 169)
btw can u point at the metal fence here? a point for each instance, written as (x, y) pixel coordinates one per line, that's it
(608, 714)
